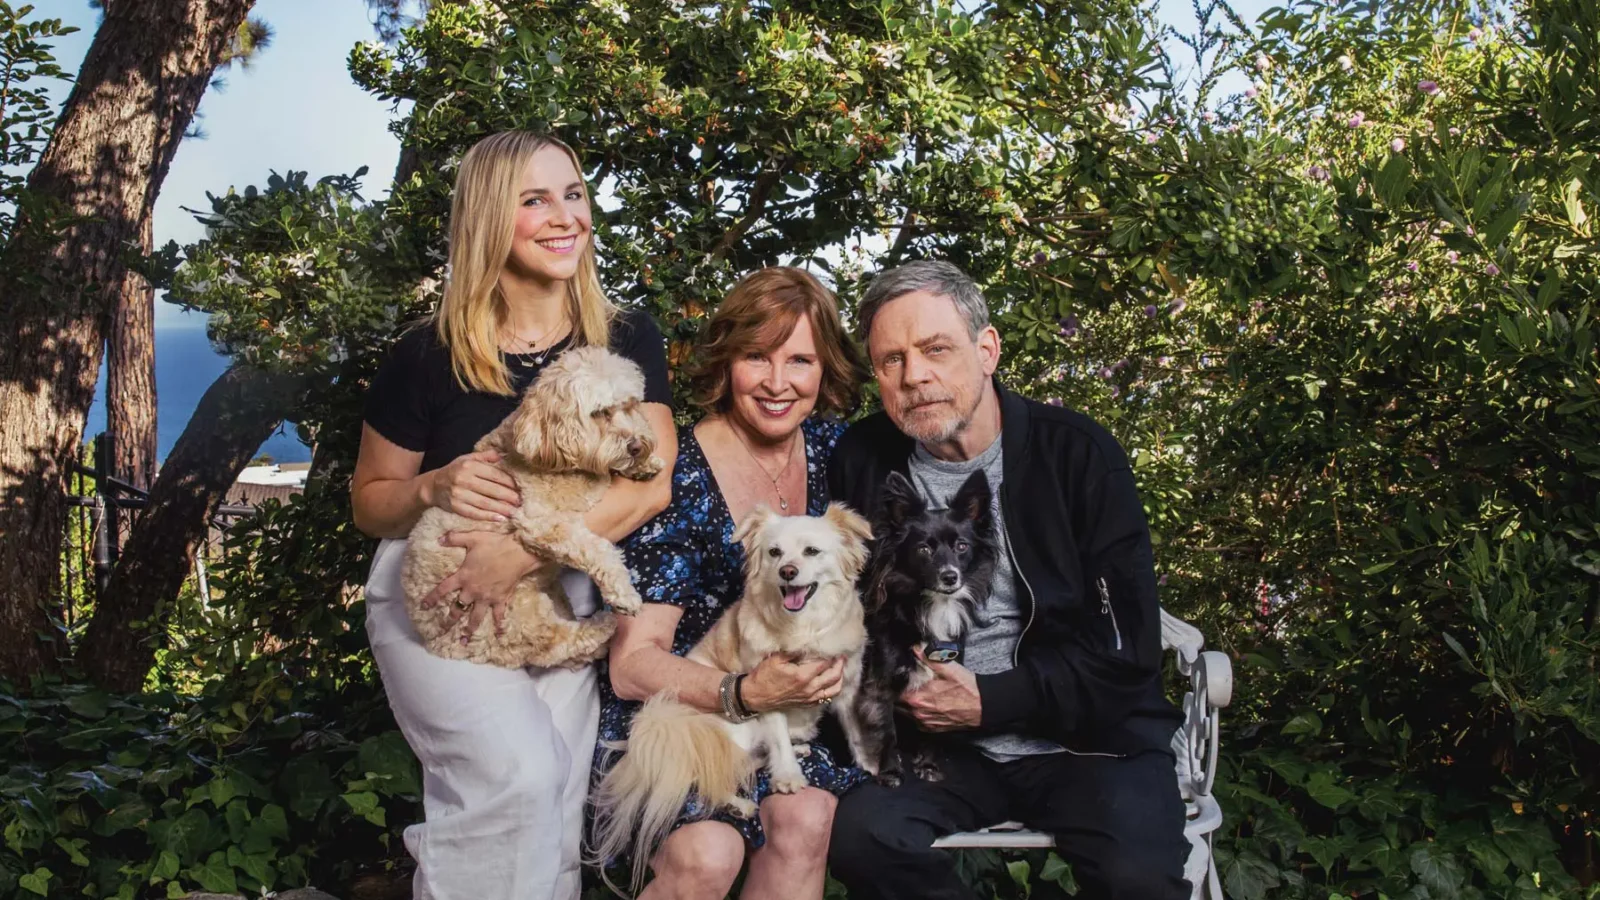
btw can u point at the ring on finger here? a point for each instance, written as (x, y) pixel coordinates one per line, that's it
(462, 604)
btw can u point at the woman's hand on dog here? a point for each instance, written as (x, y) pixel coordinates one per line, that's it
(781, 681)
(494, 564)
(474, 487)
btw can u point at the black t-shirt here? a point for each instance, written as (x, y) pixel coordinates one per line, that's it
(416, 402)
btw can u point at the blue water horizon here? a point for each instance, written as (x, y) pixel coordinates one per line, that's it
(186, 365)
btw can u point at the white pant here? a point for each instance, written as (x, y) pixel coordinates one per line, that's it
(505, 756)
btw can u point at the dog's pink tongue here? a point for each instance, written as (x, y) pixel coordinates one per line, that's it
(794, 598)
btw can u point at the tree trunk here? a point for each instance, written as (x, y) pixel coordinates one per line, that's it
(133, 99)
(238, 412)
(131, 377)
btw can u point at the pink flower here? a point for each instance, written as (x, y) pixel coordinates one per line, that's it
(1162, 580)
(1411, 266)
(1208, 117)
(1252, 92)
(1453, 256)
(1163, 361)
(1177, 306)
(1150, 311)
(1054, 401)
(1475, 34)
(1317, 172)
(1357, 119)
(1431, 88)
(1107, 373)
(1398, 145)
(1454, 131)
(1491, 270)
(1262, 62)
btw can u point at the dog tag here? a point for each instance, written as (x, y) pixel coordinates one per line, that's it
(942, 652)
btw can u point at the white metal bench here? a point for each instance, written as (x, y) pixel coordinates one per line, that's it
(1195, 746)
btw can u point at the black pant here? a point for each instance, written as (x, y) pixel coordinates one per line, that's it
(1118, 821)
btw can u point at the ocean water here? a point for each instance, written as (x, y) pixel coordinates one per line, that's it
(186, 365)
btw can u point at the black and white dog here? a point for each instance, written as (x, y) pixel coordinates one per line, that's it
(929, 574)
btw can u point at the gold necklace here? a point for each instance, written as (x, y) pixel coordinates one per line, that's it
(783, 502)
(539, 358)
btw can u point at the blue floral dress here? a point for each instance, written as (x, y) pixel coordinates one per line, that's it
(686, 556)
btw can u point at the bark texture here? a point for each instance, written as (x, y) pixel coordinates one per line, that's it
(133, 100)
(131, 377)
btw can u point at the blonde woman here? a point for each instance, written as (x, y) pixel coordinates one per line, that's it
(505, 753)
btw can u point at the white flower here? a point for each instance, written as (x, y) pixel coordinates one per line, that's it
(231, 277)
(1346, 63)
(888, 55)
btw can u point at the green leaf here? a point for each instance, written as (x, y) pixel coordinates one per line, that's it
(216, 875)
(166, 867)
(1018, 870)
(1323, 789)
(74, 850)
(265, 830)
(1437, 869)
(36, 881)
(121, 817)
(221, 790)
(188, 836)
(1249, 876)
(389, 756)
(1056, 869)
(91, 704)
(1303, 723)
(306, 782)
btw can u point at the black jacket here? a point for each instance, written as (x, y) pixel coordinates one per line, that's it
(1088, 671)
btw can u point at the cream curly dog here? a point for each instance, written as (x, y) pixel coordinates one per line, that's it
(577, 425)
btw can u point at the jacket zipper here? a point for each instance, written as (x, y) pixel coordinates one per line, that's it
(1033, 608)
(1033, 603)
(1106, 610)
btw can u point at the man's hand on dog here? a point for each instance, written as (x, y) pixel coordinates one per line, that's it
(494, 564)
(949, 702)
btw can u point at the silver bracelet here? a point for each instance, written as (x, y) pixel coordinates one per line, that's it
(730, 703)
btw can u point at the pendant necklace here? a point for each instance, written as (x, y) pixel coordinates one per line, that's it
(783, 502)
(529, 359)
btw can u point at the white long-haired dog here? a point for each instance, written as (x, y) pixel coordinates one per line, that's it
(800, 599)
(576, 426)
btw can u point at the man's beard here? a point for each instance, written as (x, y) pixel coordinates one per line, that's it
(932, 429)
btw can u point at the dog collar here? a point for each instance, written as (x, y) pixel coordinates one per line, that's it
(942, 651)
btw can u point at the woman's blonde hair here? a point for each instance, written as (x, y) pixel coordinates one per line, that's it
(483, 213)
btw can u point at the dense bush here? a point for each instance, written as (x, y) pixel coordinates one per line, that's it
(1343, 322)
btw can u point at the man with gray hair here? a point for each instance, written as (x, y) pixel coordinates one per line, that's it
(1054, 713)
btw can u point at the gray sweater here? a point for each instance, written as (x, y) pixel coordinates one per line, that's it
(992, 642)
